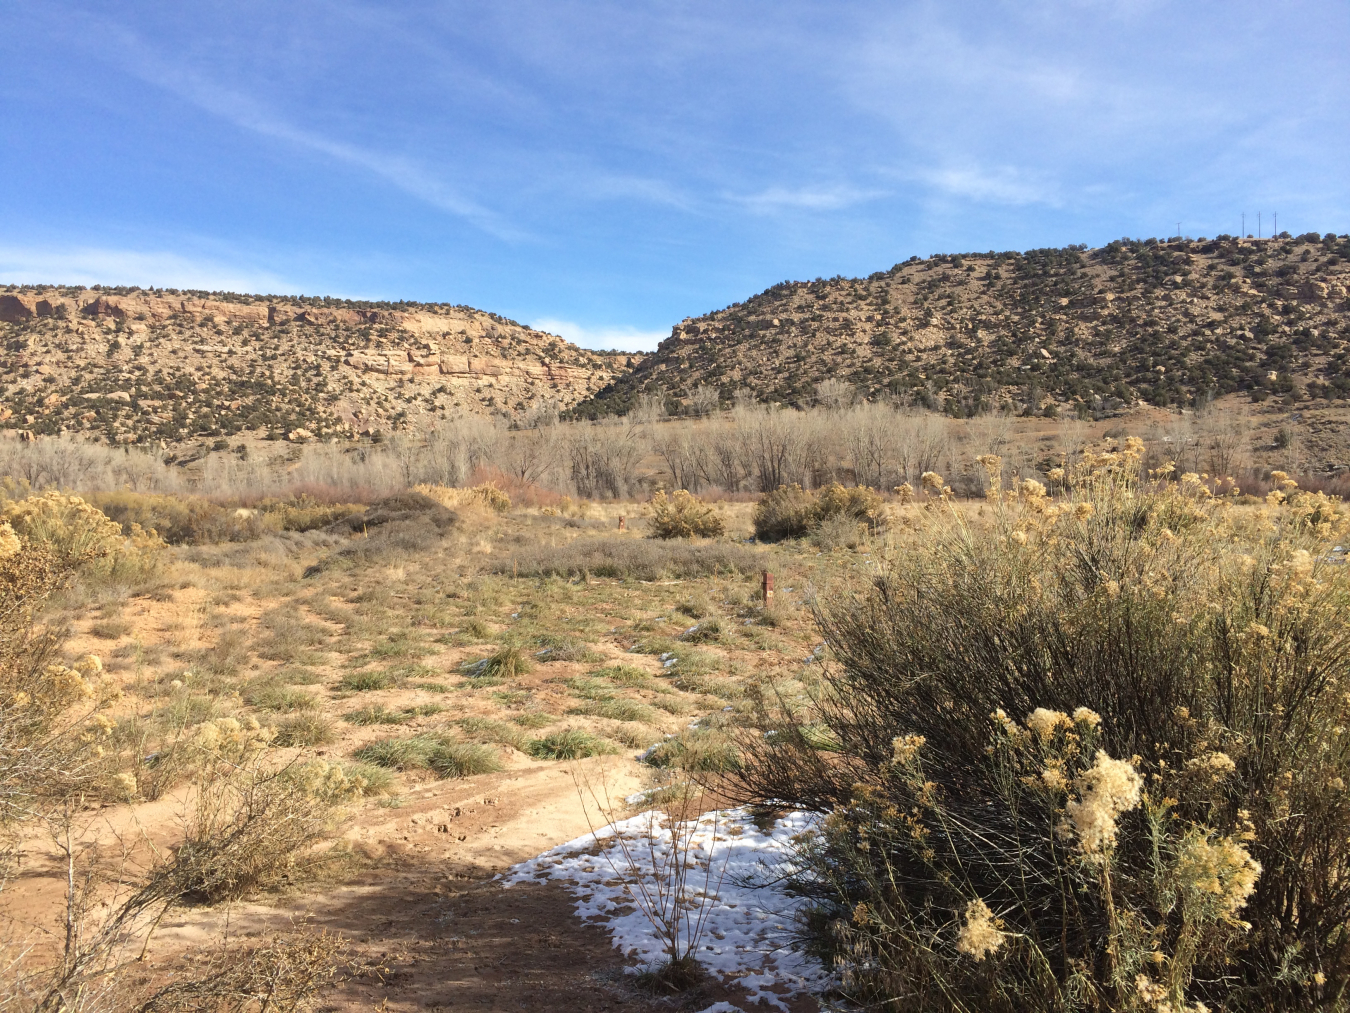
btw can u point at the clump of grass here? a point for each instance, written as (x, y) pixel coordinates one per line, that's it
(487, 730)
(432, 751)
(623, 675)
(723, 689)
(476, 629)
(377, 714)
(288, 637)
(556, 648)
(110, 629)
(269, 694)
(633, 736)
(508, 662)
(588, 687)
(298, 676)
(431, 687)
(698, 750)
(693, 663)
(534, 719)
(361, 682)
(570, 744)
(763, 640)
(671, 704)
(225, 657)
(705, 631)
(378, 780)
(399, 644)
(656, 645)
(305, 730)
(616, 709)
(696, 606)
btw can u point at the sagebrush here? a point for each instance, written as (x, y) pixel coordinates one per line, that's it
(1083, 754)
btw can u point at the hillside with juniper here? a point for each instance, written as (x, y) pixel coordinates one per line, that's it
(1168, 323)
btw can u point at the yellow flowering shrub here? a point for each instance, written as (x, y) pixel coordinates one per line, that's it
(1085, 752)
(80, 535)
(683, 515)
(76, 531)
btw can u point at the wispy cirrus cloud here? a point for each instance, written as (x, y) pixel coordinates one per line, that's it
(826, 198)
(1000, 185)
(408, 174)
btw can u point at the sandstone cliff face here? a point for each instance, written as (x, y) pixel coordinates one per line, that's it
(151, 365)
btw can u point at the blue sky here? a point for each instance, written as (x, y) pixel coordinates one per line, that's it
(607, 169)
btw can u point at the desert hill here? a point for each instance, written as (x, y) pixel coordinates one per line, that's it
(137, 366)
(1094, 331)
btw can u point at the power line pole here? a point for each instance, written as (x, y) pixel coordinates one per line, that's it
(1276, 230)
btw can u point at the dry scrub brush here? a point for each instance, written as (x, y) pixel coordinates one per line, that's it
(1091, 754)
(251, 821)
(683, 515)
(668, 867)
(792, 512)
(52, 720)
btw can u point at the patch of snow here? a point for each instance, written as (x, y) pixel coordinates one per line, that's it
(722, 1007)
(750, 918)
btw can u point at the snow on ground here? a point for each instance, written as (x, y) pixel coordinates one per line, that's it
(737, 884)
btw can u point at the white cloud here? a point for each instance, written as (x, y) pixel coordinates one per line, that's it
(1004, 185)
(410, 175)
(627, 339)
(94, 265)
(832, 198)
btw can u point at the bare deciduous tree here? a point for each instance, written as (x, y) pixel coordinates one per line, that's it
(834, 395)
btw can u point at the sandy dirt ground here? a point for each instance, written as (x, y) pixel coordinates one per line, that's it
(422, 899)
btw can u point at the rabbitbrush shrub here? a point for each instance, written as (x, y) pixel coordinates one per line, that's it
(787, 512)
(683, 515)
(1089, 755)
(793, 512)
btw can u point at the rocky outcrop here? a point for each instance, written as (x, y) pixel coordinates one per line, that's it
(385, 363)
(102, 307)
(14, 310)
